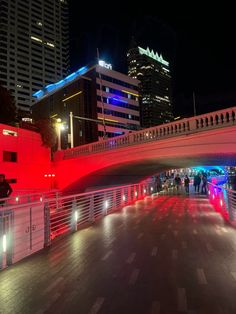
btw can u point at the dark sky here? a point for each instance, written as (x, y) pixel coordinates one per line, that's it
(200, 45)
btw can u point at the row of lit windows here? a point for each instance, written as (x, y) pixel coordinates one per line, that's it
(117, 103)
(117, 92)
(118, 114)
(116, 81)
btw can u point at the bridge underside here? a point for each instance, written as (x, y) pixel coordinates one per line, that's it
(136, 171)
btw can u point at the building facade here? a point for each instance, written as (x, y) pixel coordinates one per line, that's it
(104, 104)
(155, 88)
(25, 162)
(34, 47)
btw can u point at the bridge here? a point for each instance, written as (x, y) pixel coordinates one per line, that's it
(136, 251)
(207, 139)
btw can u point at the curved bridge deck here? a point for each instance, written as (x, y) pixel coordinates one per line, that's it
(170, 254)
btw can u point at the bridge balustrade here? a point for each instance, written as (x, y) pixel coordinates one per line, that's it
(218, 119)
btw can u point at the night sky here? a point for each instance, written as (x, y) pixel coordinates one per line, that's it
(200, 46)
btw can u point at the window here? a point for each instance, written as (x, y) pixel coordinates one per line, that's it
(9, 156)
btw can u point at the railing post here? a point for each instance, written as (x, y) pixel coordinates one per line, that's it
(123, 197)
(114, 200)
(75, 216)
(230, 202)
(47, 226)
(91, 208)
(129, 195)
(140, 191)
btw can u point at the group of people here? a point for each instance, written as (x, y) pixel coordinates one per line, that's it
(199, 181)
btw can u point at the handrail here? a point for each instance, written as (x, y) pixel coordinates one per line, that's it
(186, 126)
(224, 200)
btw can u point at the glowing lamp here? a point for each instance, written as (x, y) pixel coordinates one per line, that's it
(4, 243)
(221, 203)
(136, 193)
(106, 204)
(144, 191)
(17, 198)
(76, 215)
(213, 196)
(123, 197)
(151, 188)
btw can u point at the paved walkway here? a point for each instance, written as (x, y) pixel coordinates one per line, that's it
(172, 254)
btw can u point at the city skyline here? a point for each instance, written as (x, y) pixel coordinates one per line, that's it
(198, 44)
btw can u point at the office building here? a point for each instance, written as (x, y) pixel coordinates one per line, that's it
(104, 101)
(155, 89)
(34, 47)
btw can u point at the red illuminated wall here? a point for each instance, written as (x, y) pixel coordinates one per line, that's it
(33, 160)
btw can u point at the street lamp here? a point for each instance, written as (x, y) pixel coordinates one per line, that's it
(59, 127)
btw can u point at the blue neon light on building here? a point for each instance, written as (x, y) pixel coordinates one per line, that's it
(49, 88)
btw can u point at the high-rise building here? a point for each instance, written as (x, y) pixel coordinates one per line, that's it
(155, 89)
(34, 46)
(104, 104)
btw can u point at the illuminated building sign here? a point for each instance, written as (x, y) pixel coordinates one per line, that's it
(153, 55)
(105, 65)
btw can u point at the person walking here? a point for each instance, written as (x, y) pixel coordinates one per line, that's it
(5, 189)
(186, 183)
(204, 185)
(196, 183)
(177, 182)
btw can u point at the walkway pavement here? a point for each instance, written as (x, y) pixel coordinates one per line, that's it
(172, 254)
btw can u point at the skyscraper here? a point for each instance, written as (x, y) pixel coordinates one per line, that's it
(34, 46)
(155, 88)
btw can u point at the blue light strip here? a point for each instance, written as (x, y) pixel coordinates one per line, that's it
(49, 88)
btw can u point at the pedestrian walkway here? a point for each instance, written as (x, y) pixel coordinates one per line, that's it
(167, 254)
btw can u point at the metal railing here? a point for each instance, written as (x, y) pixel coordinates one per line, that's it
(208, 121)
(21, 197)
(224, 200)
(28, 227)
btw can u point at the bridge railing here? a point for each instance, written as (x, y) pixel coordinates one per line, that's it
(224, 201)
(212, 120)
(21, 197)
(28, 228)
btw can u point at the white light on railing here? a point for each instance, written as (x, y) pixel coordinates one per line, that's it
(123, 198)
(144, 191)
(209, 192)
(76, 215)
(106, 204)
(4, 243)
(41, 199)
(136, 193)
(213, 196)
(151, 189)
(221, 203)
(17, 199)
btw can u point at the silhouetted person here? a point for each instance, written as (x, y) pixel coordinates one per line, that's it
(196, 182)
(5, 188)
(177, 182)
(204, 185)
(158, 183)
(186, 184)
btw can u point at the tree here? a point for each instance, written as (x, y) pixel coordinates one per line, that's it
(7, 106)
(47, 131)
